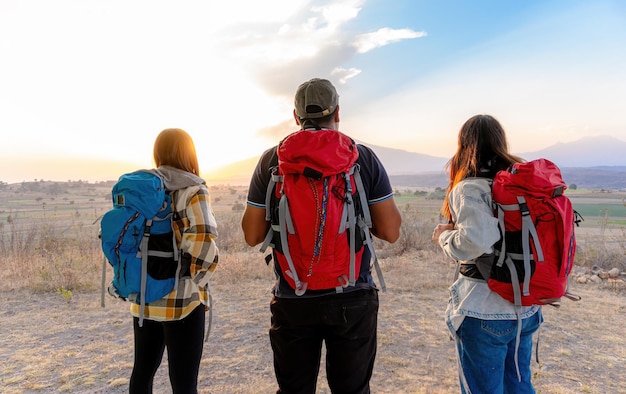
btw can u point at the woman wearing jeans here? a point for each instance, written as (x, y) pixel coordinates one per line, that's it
(484, 324)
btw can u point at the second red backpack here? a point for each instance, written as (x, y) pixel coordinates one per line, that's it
(535, 255)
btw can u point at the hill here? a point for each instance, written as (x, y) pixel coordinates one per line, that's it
(586, 152)
(593, 178)
(590, 163)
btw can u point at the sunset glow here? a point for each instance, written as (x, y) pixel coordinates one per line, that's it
(85, 86)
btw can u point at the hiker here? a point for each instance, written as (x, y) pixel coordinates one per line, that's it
(484, 324)
(344, 317)
(177, 320)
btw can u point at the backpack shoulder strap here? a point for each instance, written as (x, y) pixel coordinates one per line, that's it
(364, 221)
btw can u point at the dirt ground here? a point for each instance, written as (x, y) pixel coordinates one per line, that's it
(52, 344)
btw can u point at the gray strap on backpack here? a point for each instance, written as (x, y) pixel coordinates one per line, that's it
(348, 205)
(286, 224)
(528, 229)
(370, 246)
(367, 217)
(517, 297)
(270, 191)
(144, 269)
(500, 210)
(103, 281)
(178, 262)
(268, 213)
(365, 224)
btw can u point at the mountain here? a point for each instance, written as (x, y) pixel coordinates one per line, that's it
(591, 162)
(602, 177)
(402, 162)
(397, 162)
(585, 152)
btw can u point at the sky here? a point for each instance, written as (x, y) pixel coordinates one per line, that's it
(86, 85)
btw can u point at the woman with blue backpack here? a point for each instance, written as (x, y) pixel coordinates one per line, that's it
(177, 320)
(493, 336)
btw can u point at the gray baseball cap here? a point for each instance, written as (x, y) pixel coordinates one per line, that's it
(316, 98)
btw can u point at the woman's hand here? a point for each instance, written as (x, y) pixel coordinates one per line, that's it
(440, 229)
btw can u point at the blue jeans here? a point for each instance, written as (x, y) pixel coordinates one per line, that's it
(487, 355)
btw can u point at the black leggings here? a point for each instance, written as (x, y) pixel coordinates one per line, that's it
(183, 339)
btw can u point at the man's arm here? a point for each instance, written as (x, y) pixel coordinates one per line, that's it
(386, 220)
(254, 225)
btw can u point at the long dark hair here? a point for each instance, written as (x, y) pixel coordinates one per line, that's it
(482, 151)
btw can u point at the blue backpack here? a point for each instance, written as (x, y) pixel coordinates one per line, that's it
(138, 240)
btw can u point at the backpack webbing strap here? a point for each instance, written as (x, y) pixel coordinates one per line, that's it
(103, 280)
(517, 297)
(144, 270)
(348, 205)
(366, 221)
(270, 191)
(268, 239)
(501, 209)
(528, 229)
(207, 330)
(176, 252)
(177, 259)
(367, 217)
(344, 214)
(370, 246)
(285, 224)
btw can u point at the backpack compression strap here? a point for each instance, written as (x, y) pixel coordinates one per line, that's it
(144, 270)
(528, 230)
(275, 178)
(348, 205)
(517, 297)
(284, 224)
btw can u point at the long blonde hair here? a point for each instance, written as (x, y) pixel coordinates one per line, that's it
(175, 147)
(482, 151)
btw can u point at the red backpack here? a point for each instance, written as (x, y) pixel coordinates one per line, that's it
(535, 255)
(318, 211)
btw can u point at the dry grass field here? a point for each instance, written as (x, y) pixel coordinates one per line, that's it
(57, 338)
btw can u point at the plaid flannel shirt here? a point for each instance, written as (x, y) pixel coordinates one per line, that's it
(196, 231)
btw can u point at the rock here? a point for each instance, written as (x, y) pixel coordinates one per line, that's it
(595, 279)
(613, 273)
(548, 366)
(581, 279)
(603, 275)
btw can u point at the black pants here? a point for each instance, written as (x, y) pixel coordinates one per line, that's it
(346, 322)
(183, 339)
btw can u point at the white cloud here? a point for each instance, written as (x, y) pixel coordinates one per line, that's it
(96, 73)
(335, 15)
(345, 74)
(384, 36)
(305, 33)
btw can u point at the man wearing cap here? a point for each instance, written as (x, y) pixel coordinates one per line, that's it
(346, 321)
